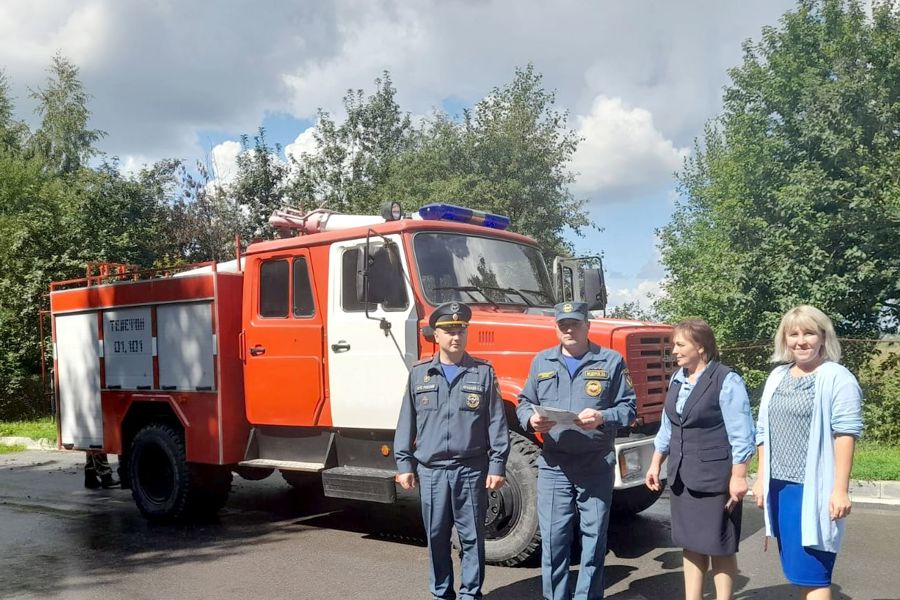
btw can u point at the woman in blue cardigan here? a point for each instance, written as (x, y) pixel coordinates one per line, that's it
(809, 421)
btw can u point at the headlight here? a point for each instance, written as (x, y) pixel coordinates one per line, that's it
(630, 467)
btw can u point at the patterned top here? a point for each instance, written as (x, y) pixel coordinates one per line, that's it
(790, 416)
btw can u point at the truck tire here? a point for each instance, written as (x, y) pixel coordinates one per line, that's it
(513, 535)
(631, 501)
(164, 485)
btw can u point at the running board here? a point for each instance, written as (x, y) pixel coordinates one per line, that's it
(360, 483)
(284, 465)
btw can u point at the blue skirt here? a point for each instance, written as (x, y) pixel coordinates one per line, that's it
(802, 566)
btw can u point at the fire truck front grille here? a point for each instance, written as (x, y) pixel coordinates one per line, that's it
(650, 363)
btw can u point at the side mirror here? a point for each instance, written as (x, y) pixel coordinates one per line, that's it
(594, 289)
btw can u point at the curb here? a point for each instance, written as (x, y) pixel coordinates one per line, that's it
(866, 492)
(30, 444)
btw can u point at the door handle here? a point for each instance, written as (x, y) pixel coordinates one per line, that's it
(257, 350)
(340, 346)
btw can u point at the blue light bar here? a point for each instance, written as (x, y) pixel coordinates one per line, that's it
(449, 212)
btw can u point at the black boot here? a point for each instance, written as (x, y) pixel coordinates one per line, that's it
(108, 481)
(91, 481)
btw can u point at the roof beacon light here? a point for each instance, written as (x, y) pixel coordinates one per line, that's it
(449, 212)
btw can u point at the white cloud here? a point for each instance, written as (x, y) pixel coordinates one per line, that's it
(305, 143)
(645, 292)
(162, 72)
(623, 153)
(224, 161)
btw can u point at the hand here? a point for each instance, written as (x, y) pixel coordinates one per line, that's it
(839, 505)
(589, 419)
(758, 491)
(495, 482)
(651, 479)
(737, 488)
(406, 480)
(540, 423)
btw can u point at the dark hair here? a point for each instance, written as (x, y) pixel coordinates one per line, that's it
(701, 334)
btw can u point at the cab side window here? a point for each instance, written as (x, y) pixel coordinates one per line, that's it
(303, 296)
(273, 288)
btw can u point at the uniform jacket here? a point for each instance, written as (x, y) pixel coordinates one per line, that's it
(601, 382)
(442, 422)
(699, 449)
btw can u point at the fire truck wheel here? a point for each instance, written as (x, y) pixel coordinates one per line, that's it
(164, 486)
(513, 536)
(631, 501)
(252, 473)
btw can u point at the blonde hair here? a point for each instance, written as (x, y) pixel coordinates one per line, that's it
(808, 318)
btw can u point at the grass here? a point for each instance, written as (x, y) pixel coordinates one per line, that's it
(871, 461)
(876, 461)
(9, 449)
(40, 428)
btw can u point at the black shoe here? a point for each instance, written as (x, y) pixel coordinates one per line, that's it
(91, 482)
(108, 481)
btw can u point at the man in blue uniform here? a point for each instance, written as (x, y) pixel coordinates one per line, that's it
(575, 471)
(452, 432)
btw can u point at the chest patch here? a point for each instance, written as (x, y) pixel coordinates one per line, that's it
(593, 388)
(546, 375)
(596, 374)
(473, 401)
(426, 387)
(469, 386)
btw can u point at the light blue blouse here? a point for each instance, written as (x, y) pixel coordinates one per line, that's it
(735, 405)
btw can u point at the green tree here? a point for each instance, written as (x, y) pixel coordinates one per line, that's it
(12, 132)
(793, 195)
(204, 218)
(353, 158)
(509, 155)
(63, 138)
(259, 186)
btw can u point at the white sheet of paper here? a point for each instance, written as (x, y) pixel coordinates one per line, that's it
(564, 419)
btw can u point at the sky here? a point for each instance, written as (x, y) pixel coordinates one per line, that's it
(639, 79)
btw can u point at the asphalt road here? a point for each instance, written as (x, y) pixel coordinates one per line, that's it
(62, 541)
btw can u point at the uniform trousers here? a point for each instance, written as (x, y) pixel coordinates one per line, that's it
(562, 491)
(97, 464)
(454, 495)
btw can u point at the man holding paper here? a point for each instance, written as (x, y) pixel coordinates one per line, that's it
(576, 466)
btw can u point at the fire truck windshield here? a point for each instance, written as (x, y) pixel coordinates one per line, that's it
(476, 269)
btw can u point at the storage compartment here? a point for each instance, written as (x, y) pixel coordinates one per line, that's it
(78, 359)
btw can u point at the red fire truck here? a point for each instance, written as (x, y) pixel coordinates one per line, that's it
(294, 358)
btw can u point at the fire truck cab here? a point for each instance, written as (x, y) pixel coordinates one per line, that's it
(295, 356)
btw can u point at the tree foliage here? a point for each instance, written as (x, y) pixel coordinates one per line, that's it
(508, 155)
(353, 158)
(63, 139)
(793, 195)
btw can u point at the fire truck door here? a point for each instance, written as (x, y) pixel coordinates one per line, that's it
(283, 376)
(368, 364)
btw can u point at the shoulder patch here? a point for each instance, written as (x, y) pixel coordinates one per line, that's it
(479, 361)
(546, 375)
(422, 362)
